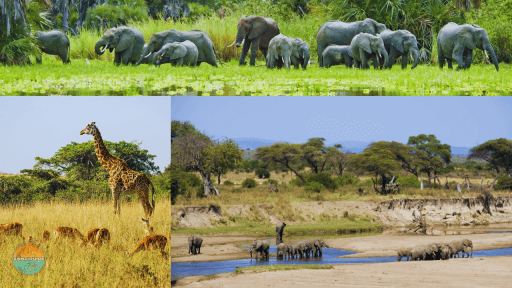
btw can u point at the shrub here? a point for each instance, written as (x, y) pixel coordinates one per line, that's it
(249, 183)
(296, 182)
(504, 183)
(314, 186)
(347, 179)
(272, 181)
(262, 173)
(116, 13)
(228, 183)
(410, 181)
(323, 178)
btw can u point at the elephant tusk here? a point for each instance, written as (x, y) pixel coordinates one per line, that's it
(487, 56)
(148, 55)
(380, 55)
(411, 57)
(104, 49)
(243, 41)
(233, 43)
(282, 58)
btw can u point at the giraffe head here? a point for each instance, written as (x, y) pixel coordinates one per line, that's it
(90, 129)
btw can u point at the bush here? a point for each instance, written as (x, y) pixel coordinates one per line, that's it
(323, 178)
(347, 179)
(314, 186)
(504, 183)
(116, 13)
(262, 173)
(228, 183)
(249, 183)
(296, 182)
(272, 181)
(410, 181)
(181, 181)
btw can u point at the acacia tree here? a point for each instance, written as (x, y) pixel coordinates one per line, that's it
(282, 153)
(407, 156)
(498, 153)
(337, 159)
(430, 154)
(222, 157)
(313, 153)
(378, 159)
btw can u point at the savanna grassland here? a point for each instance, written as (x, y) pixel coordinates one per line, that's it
(101, 77)
(68, 265)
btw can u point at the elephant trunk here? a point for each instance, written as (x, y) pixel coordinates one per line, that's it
(286, 59)
(251, 252)
(306, 59)
(99, 44)
(385, 54)
(240, 38)
(147, 50)
(494, 60)
(415, 54)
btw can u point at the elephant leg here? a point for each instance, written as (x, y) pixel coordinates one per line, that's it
(457, 55)
(469, 58)
(364, 60)
(404, 60)
(245, 49)
(375, 60)
(357, 63)
(319, 50)
(440, 56)
(254, 49)
(450, 63)
(391, 58)
(125, 55)
(117, 58)
(180, 62)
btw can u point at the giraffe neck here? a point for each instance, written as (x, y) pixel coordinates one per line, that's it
(101, 151)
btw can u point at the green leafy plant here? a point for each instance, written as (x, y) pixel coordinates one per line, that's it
(249, 183)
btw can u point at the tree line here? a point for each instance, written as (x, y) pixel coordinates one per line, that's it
(193, 151)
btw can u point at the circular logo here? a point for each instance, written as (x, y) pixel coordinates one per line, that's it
(28, 258)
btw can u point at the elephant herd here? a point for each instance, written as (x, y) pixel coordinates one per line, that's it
(351, 44)
(303, 249)
(437, 251)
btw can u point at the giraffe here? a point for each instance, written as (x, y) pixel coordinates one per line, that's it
(122, 179)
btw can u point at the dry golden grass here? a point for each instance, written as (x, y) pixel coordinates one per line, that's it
(68, 265)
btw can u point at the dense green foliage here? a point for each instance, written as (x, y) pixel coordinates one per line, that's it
(323, 178)
(504, 183)
(79, 160)
(181, 181)
(497, 152)
(249, 183)
(262, 173)
(115, 13)
(314, 187)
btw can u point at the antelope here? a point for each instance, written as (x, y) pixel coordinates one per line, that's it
(154, 241)
(67, 232)
(11, 229)
(95, 238)
(149, 230)
(45, 237)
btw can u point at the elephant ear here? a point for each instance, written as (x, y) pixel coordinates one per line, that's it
(396, 41)
(350, 53)
(364, 43)
(179, 52)
(259, 25)
(258, 245)
(371, 26)
(465, 36)
(168, 37)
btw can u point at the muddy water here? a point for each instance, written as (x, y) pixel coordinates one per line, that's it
(184, 269)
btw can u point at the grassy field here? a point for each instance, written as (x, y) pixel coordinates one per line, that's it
(103, 78)
(68, 265)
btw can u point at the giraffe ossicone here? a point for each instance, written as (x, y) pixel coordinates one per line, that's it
(122, 179)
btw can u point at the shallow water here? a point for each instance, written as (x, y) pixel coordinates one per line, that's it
(184, 269)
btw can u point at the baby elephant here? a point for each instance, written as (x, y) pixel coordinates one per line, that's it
(182, 53)
(336, 55)
(279, 52)
(54, 42)
(404, 252)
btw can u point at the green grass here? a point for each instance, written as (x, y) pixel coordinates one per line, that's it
(333, 227)
(268, 268)
(103, 78)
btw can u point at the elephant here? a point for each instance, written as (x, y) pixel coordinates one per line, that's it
(337, 54)
(321, 245)
(181, 53)
(260, 246)
(341, 33)
(127, 41)
(404, 252)
(281, 251)
(279, 232)
(54, 42)
(205, 48)
(457, 42)
(446, 252)
(194, 244)
(254, 32)
(400, 43)
(459, 246)
(365, 46)
(312, 246)
(300, 249)
(300, 53)
(421, 252)
(151, 59)
(279, 52)
(467, 243)
(435, 251)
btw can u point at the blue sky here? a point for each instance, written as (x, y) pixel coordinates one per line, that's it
(457, 121)
(40, 126)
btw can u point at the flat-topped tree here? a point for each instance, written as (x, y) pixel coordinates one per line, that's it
(122, 179)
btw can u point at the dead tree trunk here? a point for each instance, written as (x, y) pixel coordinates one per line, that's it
(209, 188)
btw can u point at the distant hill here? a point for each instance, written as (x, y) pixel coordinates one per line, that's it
(348, 146)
